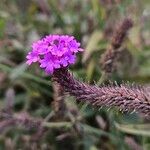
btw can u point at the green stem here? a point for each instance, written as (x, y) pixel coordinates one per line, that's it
(102, 78)
(57, 124)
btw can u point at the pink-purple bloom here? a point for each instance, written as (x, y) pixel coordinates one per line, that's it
(53, 52)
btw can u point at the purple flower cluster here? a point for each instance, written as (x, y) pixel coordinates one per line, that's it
(53, 52)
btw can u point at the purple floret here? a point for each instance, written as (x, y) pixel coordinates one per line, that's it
(53, 52)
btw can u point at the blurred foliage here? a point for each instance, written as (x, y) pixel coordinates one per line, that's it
(92, 23)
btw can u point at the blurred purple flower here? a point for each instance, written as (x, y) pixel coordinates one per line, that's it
(53, 52)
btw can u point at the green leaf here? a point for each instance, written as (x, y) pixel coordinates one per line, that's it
(136, 129)
(90, 69)
(2, 27)
(18, 71)
(92, 44)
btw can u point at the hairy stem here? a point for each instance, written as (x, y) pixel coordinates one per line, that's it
(59, 103)
(125, 97)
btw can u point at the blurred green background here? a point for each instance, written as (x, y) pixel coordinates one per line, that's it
(28, 90)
